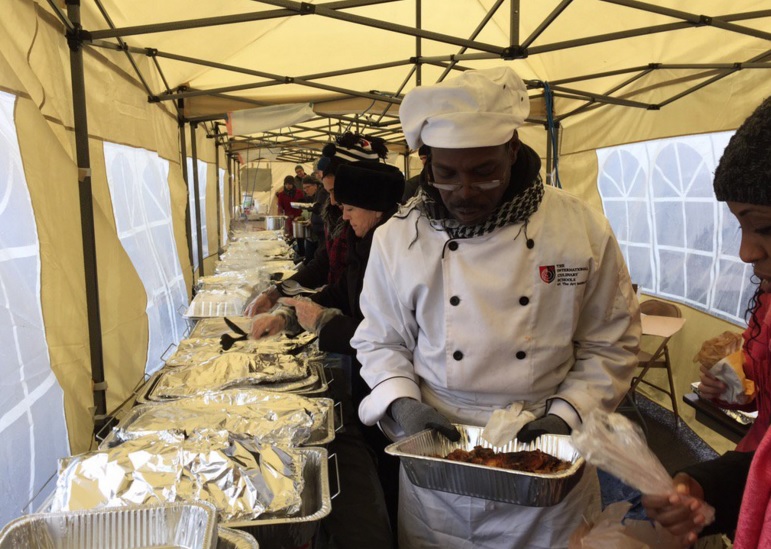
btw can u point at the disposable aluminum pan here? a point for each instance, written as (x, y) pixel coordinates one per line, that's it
(321, 434)
(171, 525)
(420, 456)
(314, 385)
(235, 539)
(290, 532)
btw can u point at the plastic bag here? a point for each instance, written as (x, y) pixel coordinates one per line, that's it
(609, 530)
(717, 348)
(616, 445)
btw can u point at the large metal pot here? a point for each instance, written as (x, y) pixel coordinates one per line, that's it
(275, 222)
(300, 229)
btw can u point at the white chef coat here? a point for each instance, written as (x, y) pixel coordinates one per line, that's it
(543, 313)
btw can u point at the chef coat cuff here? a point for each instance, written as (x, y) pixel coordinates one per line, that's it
(565, 411)
(373, 408)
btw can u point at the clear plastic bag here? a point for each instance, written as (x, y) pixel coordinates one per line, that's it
(616, 445)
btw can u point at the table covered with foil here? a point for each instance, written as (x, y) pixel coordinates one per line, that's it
(206, 466)
(252, 416)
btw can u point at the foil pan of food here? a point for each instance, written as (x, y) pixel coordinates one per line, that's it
(284, 532)
(206, 466)
(251, 416)
(478, 469)
(198, 350)
(185, 525)
(315, 383)
(230, 369)
(235, 539)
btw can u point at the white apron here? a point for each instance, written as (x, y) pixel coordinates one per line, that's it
(429, 519)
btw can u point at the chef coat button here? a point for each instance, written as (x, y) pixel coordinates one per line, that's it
(453, 246)
(457, 355)
(530, 243)
(454, 300)
(521, 355)
(524, 300)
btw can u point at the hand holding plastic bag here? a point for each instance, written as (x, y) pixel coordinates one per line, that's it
(613, 443)
(504, 424)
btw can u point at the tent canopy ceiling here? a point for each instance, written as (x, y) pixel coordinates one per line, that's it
(353, 60)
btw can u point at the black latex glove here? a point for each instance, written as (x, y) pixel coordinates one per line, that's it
(414, 416)
(549, 424)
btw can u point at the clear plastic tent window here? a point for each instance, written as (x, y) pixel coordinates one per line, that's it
(33, 433)
(202, 197)
(678, 241)
(142, 209)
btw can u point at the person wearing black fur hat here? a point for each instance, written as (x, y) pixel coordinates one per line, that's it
(369, 194)
(328, 263)
(490, 292)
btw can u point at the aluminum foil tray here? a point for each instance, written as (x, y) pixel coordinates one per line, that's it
(171, 525)
(419, 455)
(235, 539)
(287, 533)
(321, 434)
(313, 385)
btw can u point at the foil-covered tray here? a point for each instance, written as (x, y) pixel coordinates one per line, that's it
(174, 525)
(296, 531)
(231, 369)
(235, 539)
(242, 484)
(247, 414)
(420, 455)
(315, 384)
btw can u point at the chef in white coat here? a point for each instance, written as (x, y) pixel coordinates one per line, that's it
(488, 290)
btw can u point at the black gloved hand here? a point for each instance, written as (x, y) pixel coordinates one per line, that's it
(414, 416)
(548, 424)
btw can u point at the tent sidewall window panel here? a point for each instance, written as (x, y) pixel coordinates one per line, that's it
(679, 242)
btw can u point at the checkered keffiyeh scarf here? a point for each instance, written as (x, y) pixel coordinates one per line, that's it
(516, 210)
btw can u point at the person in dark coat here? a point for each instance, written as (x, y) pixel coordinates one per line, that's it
(369, 194)
(328, 263)
(412, 184)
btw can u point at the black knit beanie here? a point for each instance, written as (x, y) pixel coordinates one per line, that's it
(369, 185)
(744, 171)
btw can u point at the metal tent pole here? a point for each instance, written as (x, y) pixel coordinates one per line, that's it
(186, 177)
(217, 177)
(87, 214)
(197, 198)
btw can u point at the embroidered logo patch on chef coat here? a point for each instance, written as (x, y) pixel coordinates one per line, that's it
(563, 275)
(548, 273)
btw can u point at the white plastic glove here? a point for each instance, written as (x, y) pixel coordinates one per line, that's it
(266, 325)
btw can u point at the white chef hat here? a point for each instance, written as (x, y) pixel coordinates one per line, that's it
(476, 109)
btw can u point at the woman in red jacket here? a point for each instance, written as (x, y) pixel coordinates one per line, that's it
(284, 200)
(737, 482)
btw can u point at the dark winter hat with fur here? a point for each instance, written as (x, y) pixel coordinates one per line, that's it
(351, 147)
(744, 171)
(370, 185)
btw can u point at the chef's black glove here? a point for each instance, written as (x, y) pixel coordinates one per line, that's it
(414, 416)
(549, 424)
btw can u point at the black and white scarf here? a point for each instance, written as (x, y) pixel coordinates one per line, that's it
(518, 209)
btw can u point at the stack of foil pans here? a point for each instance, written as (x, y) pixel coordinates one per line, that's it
(172, 525)
(423, 454)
